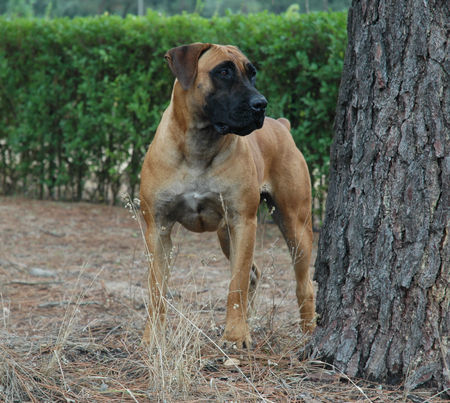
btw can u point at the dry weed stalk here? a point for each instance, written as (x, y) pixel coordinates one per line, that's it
(69, 322)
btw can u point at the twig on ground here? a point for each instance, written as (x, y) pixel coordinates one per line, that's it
(52, 304)
(23, 282)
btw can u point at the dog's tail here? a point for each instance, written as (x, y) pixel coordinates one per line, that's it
(285, 123)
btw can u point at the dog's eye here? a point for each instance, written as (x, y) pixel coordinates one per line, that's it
(225, 73)
(251, 71)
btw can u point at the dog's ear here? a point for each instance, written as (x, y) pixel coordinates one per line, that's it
(183, 62)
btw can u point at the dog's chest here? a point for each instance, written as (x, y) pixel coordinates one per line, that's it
(194, 201)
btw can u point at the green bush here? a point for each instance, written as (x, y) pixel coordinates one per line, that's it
(81, 99)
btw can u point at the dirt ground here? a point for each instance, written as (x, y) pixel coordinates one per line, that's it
(73, 304)
(100, 249)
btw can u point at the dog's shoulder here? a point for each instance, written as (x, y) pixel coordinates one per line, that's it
(278, 125)
(274, 135)
(277, 128)
(285, 123)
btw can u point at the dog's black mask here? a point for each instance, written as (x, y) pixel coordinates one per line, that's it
(234, 105)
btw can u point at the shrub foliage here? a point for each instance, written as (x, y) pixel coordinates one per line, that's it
(80, 99)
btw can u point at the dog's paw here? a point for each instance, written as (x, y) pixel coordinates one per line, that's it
(231, 346)
(236, 337)
(308, 326)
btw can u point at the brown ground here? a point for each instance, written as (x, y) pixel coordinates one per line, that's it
(70, 331)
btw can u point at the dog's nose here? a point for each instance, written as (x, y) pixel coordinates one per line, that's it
(258, 103)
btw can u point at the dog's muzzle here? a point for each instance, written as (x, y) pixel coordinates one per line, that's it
(245, 118)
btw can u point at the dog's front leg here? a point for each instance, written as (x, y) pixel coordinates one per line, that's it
(159, 245)
(242, 236)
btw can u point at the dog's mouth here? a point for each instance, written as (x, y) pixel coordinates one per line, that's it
(241, 130)
(222, 128)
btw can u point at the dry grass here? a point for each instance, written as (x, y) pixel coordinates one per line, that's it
(75, 336)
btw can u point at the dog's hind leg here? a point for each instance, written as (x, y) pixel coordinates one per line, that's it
(294, 220)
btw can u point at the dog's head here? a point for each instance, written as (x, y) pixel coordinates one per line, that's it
(221, 80)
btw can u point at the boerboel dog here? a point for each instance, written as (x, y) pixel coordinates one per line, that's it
(214, 158)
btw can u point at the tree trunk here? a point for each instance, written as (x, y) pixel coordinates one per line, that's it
(383, 259)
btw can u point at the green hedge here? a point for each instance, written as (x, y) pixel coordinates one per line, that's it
(81, 99)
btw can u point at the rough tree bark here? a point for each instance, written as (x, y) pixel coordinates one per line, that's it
(383, 260)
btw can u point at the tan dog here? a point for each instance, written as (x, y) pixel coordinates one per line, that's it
(214, 158)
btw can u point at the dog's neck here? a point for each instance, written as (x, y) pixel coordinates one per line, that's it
(198, 141)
